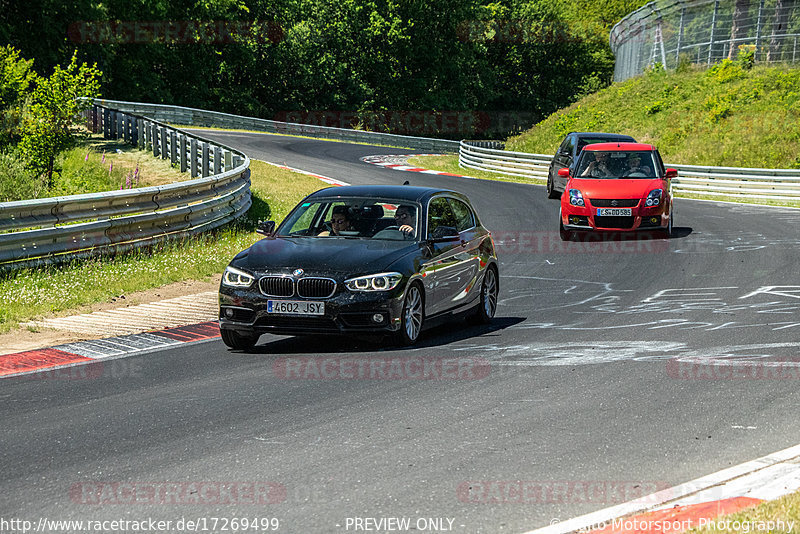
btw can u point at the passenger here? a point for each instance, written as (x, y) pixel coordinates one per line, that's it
(600, 167)
(405, 218)
(340, 222)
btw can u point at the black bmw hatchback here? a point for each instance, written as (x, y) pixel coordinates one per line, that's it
(362, 259)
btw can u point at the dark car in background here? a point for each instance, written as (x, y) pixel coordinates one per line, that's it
(568, 152)
(408, 255)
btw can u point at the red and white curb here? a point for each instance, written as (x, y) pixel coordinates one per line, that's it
(694, 504)
(399, 163)
(86, 352)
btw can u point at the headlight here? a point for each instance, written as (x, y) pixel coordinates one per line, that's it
(374, 282)
(575, 198)
(654, 198)
(235, 278)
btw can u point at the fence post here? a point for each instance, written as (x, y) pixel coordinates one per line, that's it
(205, 159)
(713, 27)
(135, 131)
(680, 37)
(193, 157)
(228, 160)
(759, 25)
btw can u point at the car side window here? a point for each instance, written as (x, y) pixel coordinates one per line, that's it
(441, 219)
(570, 147)
(463, 215)
(305, 223)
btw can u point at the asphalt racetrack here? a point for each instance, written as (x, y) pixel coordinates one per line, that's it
(612, 369)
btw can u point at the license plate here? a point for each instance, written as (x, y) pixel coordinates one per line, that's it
(614, 212)
(295, 307)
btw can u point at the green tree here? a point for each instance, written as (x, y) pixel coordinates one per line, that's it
(15, 78)
(54, 107)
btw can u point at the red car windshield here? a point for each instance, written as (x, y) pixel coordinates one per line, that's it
(615, 164)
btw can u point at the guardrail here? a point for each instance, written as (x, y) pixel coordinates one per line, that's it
(775, 184)
(213, 119)
(51, 230)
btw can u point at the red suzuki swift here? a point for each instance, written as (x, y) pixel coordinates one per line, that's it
(617, 187)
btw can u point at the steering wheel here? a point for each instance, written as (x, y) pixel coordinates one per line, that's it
(634, 174)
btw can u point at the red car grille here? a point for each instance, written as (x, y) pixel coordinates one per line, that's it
(613, 222)
(610, 203)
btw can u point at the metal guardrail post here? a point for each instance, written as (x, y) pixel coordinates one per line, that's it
(217, 160)
(173, 147)
(205, 159)
(182, 153)
(228, 160)
(155, 129)
(163, 152)
(193, 158)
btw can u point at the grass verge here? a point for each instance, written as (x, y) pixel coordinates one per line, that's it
(785, 509)
(29, 294)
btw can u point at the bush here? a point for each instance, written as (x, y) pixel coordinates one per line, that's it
(17, 182)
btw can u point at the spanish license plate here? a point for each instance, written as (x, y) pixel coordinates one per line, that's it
(614, 212)
(295, 307)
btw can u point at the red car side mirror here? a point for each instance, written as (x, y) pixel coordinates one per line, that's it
(671, 173)
(563, 172)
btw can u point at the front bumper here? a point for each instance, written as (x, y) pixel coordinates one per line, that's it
(585, 218)
(245, 311)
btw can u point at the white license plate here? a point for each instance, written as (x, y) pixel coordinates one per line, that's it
(295, 307)
(614, 212)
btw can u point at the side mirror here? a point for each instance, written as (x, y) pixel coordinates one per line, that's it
(671, 173)
(443, 234)
(563, 172)
(266, 228)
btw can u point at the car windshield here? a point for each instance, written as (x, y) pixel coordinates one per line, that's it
(614, 164)
(353, 218)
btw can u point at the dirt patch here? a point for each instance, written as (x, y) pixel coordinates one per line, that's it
(23, 339)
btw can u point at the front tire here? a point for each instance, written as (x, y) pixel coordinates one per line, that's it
(237, 341)
(412, 316)
(551, 189)
(563, 233)
(487, 306)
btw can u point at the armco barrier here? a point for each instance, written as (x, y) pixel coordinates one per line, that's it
(57, 229)
(774, 184)
(201, 118)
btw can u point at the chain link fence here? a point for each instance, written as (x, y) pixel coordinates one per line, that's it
(671, 32)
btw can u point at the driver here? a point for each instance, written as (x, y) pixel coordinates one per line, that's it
(405, 218)
(634, 165)
(600, 167)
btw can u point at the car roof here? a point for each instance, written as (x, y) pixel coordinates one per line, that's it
(619, 147)
(604, 135)
(408, 193)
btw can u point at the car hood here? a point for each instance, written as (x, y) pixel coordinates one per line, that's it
(323, 255)
(615, 188)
